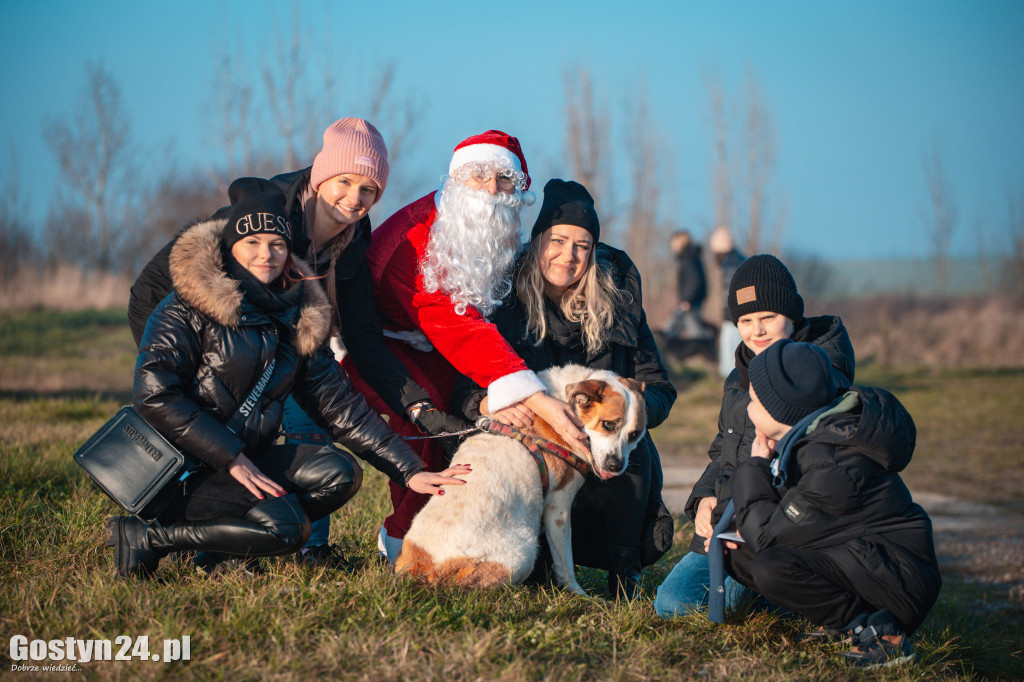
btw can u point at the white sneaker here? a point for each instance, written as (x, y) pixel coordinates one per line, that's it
(388, 546)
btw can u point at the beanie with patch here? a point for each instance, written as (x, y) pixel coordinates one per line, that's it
(792, 380)
(762, 283)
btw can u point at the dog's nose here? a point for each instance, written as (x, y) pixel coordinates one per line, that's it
(613, 465)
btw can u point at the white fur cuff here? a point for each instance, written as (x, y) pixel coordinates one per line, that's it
(512, 388)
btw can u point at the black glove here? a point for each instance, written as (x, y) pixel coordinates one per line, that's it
(436, 423)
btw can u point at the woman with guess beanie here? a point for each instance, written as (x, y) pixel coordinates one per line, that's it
(765, 306)
(327, 205)
(244, 310)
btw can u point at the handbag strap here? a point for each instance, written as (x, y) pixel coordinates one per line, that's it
(237, 420)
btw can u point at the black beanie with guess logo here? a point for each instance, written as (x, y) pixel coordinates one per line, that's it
(257, 206)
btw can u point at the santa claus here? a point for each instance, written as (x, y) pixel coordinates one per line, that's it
(439, 267)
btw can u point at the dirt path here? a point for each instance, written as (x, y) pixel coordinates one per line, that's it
(979, 542)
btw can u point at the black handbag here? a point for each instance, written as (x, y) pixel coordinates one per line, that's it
(134, 465)
(137, 467)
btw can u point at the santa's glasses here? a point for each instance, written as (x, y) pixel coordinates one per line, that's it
(481, 174)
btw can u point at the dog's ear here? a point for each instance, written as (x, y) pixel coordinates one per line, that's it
(633, 384)
(585, 392)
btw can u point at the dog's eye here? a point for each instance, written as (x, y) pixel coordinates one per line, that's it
(608, 426)
(633, 435)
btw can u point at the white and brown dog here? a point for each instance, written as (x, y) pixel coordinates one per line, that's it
(485, 533)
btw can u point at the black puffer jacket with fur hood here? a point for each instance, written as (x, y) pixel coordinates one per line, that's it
(206, 345)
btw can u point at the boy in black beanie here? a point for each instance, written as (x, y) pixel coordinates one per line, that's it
(765, 306)
(830, 531)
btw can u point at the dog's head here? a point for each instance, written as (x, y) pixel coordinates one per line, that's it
(614, 415)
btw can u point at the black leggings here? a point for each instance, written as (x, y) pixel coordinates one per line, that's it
(217, 495)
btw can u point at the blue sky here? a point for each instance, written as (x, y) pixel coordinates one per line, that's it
(858, 92)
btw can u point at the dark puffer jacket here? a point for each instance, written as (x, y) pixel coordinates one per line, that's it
(361, 330)
(844, 495)
(631, 352)
(206, 346)
(731, 446)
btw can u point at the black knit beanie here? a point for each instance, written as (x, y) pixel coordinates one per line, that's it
(762, 283)
(792, 380)
(257, 205)
(567, 203)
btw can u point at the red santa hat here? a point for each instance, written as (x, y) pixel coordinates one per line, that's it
(492, 147)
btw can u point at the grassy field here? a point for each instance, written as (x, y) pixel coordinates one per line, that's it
(293, 623)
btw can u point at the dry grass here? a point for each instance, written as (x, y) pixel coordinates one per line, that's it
(293, 623)
(64, 287)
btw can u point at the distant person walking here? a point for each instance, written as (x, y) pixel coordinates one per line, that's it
(686, 323)
(727, 259)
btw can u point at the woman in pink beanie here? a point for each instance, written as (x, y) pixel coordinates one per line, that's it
(328, 205)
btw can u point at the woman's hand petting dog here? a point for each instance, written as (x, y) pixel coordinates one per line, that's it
(246, 473)
(429, 483)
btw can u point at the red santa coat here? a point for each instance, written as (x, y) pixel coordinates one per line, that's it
(462, 343)
(471, 344)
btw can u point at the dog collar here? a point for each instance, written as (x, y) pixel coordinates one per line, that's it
(535, 444)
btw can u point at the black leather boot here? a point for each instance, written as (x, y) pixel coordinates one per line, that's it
(330, 479)
(133, 556)
(275, 526)
(624, 580)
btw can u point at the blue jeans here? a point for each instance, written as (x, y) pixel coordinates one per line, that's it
(686, 588)
(298, 422)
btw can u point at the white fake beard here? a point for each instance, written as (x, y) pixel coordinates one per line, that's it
(472, 245)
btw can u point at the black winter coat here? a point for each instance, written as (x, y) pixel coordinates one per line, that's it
(206, 345)
(843, 488)
(361, 330)
(731, 446)
(691, 283)
(631, 352)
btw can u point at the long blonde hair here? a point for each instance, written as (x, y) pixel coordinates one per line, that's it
(592, 301)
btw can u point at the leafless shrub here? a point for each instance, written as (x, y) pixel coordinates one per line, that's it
(901, 330)
(940, 215)
(92, 145)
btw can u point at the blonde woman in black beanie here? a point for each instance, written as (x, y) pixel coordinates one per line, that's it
(578, 300)
(765, 306)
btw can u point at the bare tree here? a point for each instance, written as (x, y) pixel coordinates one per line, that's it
(647, 233)
(231, 102)
(759, 145)
(939, 215)
(721, 170)
(283, 78)
(746, 200)
(397, 117)
(587, 143)
(17, 247)
(1015, 223)
(93, 146)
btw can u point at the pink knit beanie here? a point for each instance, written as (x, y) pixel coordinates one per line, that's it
(351, 145)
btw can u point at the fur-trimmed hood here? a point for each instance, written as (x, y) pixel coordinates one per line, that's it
(197, 272)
